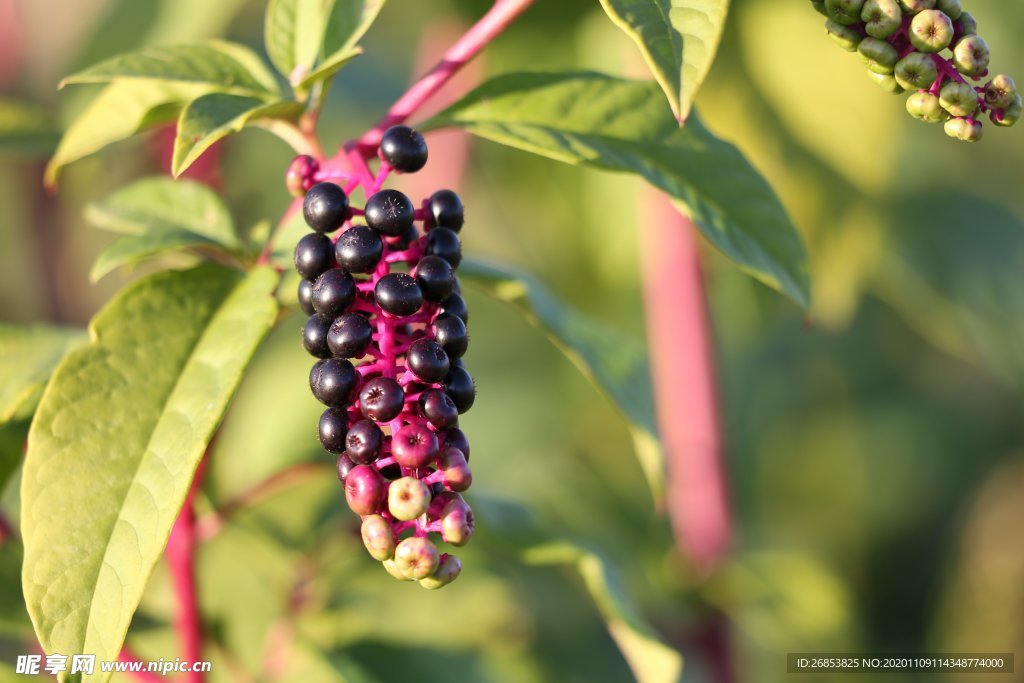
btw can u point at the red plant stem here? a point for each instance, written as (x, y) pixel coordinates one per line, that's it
(181, 550)
(497, 19)
(141, 675)
(683, 372)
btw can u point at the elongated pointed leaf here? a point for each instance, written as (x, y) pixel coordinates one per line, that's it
(617, 364)
(650, 659)
(220, 65)
(620, 125)
(347, 23)
(292, 32)
(678, 39)
(122, 109)
(116, 440)
(28, 356)
(211, 117)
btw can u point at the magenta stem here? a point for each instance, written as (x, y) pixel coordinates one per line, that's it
(181, 562)
(141, 675)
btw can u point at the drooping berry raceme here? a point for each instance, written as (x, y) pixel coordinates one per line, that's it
(388, 324)
(930, 47)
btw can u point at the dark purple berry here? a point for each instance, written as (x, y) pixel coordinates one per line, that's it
(333, 292)
(445, 211)
(391, 472)
(306, 297)
(314, 336)
(349, 335)
(414, 445)
(359, 249)
(363, 442)
(390, 212)
(333, 427)
(364, 490)
(325, 207)
(404, 149)
(314, 254)
(381, 399)
(456, 438)
(333, 380)
(436, 278)
(456, 305)
(427, 360)
(344, 467)
(445, 243)
(405, 239)
(439, 409)
(398, 294)
(450, 332)
(461, 388)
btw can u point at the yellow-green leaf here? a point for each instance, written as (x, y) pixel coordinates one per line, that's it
(292, 32)
(28, 356)
(347, 23)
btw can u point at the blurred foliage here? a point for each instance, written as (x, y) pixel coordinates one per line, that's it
(875, 449)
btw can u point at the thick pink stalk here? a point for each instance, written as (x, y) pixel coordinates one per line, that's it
(181, 549)
(497, 19)
(682, 363)
(143, 675)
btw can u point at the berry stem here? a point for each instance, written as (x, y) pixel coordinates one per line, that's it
(181, 549)
(497, 19)
(140, 675)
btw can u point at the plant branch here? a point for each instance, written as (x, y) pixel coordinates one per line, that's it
(141, 675)
(497, 19)
(181, 550)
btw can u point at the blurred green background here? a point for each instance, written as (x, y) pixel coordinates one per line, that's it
(874, 446)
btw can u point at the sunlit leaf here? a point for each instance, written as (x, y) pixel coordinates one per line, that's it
(292, 33)
(28, 356)
(347, 23)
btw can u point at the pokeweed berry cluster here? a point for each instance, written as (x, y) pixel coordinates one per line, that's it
(904, 45)
(386, 296)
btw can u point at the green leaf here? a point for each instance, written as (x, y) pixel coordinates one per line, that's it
(678, 39)
(620, 125)
(292, 32)
(211, 117)
(616, 363)
(25, 128)
(14, 619)
(157, 215)
(121, 110)
(116, 440)
(223, 66)
(650, 659)
(28, 356)
(347, 23)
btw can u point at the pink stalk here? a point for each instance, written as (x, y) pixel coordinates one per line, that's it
(143, 675)
(682, 364)
(181, 561)
(497, 19)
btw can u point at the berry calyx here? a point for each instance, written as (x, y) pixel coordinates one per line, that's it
(404, 149)
(325, 207)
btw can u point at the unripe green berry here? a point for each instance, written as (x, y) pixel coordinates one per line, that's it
(915, 6)
(971, 55)
(916, 71)
(1010, 115)
(819, 7)
(881, 18)
(844, 36)
(1000, 92)
(878, 55)
(378, 537)
(963, 129)
(408, 498)
(886, 82)
(966, 25)
(844, 11)
(959, 99)
(925, 106)
(931, 31)
(392, 568)
(457, 522)
(447, 571)
(952, 8)
(417, 558)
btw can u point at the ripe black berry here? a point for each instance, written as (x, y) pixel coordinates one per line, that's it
(427, 360)
(314, 336)
(333, 292)
(398, 294)
(439, 409)
(445, 243)
(325, 207)
(435, 277)
(456, 438)
(456, 305)
(333, 428)
(390, 212)
(381, 399)
(445, 211)
(306, 297)
(404, 240)
(314, 254)
(344, 467)
(359, 249)
(404, 149)
(332, 381)
(349, 335)
(460, 387)
(363, 442)
(450, 332)
(391, 472)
